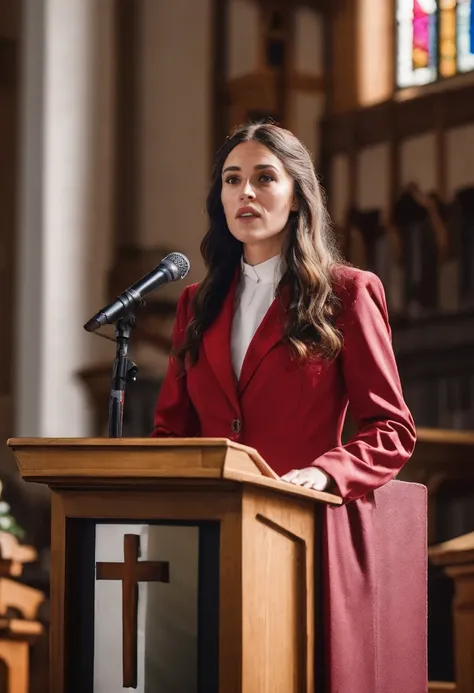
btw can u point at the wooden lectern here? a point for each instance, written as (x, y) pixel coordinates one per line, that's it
(176, 564)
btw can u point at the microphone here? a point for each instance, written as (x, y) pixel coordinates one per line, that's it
(173, 267)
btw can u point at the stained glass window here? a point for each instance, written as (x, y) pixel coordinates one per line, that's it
(465, 35)
(417, 32)
(435, 39)
(447, 38)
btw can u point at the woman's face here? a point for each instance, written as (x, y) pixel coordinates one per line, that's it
(257, 196)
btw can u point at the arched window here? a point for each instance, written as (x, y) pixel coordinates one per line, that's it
(435, 40)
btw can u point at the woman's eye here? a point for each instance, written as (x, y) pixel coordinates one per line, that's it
(264, 178)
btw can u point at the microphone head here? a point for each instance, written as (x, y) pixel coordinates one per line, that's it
(177, 264)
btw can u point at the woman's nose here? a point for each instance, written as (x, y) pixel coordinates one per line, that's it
(247, 192)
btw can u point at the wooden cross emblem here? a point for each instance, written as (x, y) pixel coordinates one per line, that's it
(131, 572)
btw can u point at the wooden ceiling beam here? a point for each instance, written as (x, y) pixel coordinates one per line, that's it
(402, 119)
(320, 5)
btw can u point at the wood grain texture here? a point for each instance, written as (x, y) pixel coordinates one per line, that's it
(175, 504)
(457, 556)
(278, 594)
(57, 595)
(231, 603)
(20, 629)
(399, 119)
(218, 74)
(16, 657)
(463, 616)
(109, 462)
(266, 547)
(439, 456)
(127, 126)
(455, 551)
(242, 537)
(24, 599)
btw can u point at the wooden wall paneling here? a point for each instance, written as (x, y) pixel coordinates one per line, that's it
(323, 129)
(286, 85)
(328, 14)
(58, 597)
(252, 93)
(441, 157)
(459, 106)
(394, 170)
(220, 92)
(10, 19)
(130, 260)
(394, 187)
(343, 78)
(267, 90)
(416, 116)
(8, 195)
(126, 149)
(10, 44)
(353, 175)
(280, 77)
(127, 17)
(347, 238)
(410, 117)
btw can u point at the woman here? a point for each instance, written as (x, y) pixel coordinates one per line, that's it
(274, 344)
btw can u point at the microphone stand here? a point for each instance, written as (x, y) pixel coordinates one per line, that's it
(124, 371)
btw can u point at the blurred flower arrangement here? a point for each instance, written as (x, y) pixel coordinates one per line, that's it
(7, 521)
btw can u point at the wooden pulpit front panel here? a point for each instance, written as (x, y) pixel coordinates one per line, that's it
(237, 615)
(178, 622)
(278, 594)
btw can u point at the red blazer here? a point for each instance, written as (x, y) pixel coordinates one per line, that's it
(293, 413)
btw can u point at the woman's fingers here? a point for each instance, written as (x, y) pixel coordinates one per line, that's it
(309, 477)
(290, 476)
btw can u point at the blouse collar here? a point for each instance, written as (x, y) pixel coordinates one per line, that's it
(268, 272)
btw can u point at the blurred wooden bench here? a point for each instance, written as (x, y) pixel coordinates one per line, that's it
(457, 558)
(19, 605)
(441, 457)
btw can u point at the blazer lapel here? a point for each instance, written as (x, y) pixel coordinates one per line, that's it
(269, 333)
(216, 344)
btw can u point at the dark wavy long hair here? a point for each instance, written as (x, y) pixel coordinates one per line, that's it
(310, 253)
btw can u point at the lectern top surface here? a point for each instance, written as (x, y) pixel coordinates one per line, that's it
(111, 462)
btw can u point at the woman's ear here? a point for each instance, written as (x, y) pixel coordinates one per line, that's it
(295, 205)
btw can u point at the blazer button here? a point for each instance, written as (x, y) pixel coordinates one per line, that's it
(236, 426)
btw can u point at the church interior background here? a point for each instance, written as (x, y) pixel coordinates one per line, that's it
(110, 114)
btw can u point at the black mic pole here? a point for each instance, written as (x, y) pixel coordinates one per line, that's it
(121, 311)
(124, 371)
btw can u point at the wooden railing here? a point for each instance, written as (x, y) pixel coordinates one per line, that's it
(440, 457)
(444, 459)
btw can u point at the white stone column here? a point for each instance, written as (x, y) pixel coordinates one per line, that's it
(64, 208)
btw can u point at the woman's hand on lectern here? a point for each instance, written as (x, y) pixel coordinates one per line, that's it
(309, 477)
